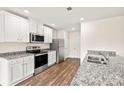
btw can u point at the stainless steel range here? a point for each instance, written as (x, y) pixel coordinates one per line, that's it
(41, 58)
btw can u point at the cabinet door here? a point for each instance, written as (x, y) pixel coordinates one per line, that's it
(54, 34)
(50, 35)
(54, 57)
(12, 27)
(16, 70)
(24, 33)
(1, 27)
(33, 26)
(40, 29)
(50, 59)
(47, 35)
(28, 65)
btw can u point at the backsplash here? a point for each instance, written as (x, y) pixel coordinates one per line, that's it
(11, 47)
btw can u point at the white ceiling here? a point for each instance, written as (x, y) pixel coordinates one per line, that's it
(64, 19)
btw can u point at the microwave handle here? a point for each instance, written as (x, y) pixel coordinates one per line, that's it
(34, 38)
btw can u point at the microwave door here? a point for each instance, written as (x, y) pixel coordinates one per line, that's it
(39, 38)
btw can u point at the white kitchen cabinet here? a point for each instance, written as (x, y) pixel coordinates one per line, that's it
(28, 65)
(16, 70)
(36, 27)
(40, 29)
(51, 58)
(54, 34)
(14, 28)
(24, 33)
(33, 26)
(1, 27)
(47, 34)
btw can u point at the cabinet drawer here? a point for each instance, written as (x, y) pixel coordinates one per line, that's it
(16, 61)
(28, 59)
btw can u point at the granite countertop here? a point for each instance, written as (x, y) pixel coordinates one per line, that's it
(18, 54)
(14, 55)
(94, 74)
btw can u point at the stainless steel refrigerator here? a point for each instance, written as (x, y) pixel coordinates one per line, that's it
(58, 45)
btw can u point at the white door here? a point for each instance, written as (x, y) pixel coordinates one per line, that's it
(74, 44)
(16, 70)
(12, 27)
(66, 47)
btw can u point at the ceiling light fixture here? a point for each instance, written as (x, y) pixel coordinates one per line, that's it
(53, 24)
(26, 11)
(72, 28)
(69, 9)
(81, 19)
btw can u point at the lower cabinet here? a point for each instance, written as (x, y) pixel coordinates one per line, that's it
(20, 69)
(28, 66)
(51, 58)
(16, 70)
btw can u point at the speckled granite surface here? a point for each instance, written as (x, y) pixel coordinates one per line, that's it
(93, 74)
(13, 55)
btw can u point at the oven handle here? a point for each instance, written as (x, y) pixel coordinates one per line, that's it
(40, 54)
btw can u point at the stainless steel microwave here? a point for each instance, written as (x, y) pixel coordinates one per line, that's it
(36, 38)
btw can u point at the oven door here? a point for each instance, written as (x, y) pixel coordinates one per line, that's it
(41, 60)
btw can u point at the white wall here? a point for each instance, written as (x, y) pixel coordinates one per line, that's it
(11, 47)
(106, 34)
(74, 44)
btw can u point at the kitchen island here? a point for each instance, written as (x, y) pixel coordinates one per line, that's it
(94, 74)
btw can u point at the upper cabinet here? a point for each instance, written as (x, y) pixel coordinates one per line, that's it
(33, 26)
(1, 27)
(54, 34)
(47, 34)
(40, 29)
(14, 28)
(36, 27)
(24, 33)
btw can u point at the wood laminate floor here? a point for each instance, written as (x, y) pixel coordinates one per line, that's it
(57, 75)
